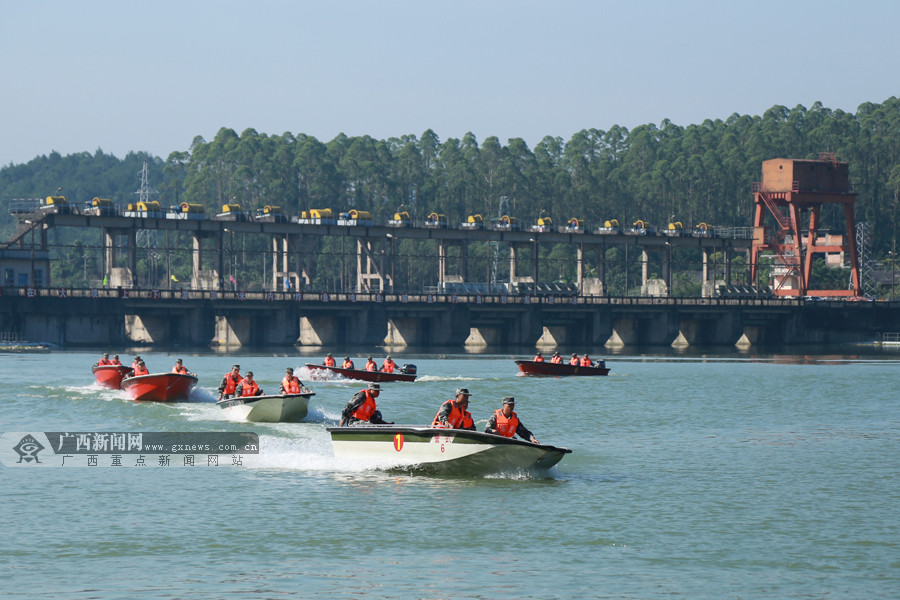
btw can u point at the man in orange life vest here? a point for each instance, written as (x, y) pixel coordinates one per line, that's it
(329, 360)
(179, 367)
(230, 382)
(248, 387)
(140, 369)
(371, 365)
(539, 357)
(291, 384)
(115, 360)
(506, 422)
(574, 360)
(347, 364)
(556, 358)
(362, 409)
(137, 359)
(454, 414)
(586, 361)
(105, 360)
(388, 365)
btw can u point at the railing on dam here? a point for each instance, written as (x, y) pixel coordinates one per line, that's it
(498, 300)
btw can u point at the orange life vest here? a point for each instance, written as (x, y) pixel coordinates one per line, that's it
(231, 382)
(538, 359)
(506, 426)
(291, 385)
(388, 366)
(366, 409)
(371, 366)
(139, 370)
(182, 369)
(115, 361)
(574, 361)
(249, 390)
(556, 360)
(458, 418)
(104, 361)
(329, 361)
(585, 361)
(348, 364)
(134, 366)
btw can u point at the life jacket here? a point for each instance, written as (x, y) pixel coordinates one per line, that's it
(181, 370)
(458, 418)
(134, 366)
(556, 360)
(329, 361)
(366, 409)
(371, 366)
(506, 426)
(115, 361)
(538, 359)
(249, 390)
(574, 361)
(104, 362)
(138, 370)
(291, 385)
(348, 364)
(585, 361)
(231, 382)
(388, 366)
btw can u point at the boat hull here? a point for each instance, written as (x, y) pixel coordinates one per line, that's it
(110, 376)
(159, 387)
(431, 450)
(290, 408)
(548, 369)
(363, 375)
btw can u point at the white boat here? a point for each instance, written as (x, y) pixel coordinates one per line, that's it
(287, 408)
(435, 450)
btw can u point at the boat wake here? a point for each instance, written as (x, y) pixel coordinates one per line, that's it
(447, 378)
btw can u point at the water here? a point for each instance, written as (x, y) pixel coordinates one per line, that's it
(697, 477)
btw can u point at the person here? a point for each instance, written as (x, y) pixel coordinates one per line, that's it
(506, 422)
(538, 357)
(362, 408)
(371, 365)
(179, 367)
(388, 365)
(348, 364)
(454, 414)
(230, 382)
(248, 387)
(574, 360)
(140, 369)
(291, 384)
(115, 360)
(329, 360)
(586, 361)
(556, 358)
(137, 359)
(104, 361)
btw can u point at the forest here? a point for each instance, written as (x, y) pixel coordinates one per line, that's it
(656, 173)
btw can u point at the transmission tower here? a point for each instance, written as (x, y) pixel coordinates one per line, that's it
(866, 274)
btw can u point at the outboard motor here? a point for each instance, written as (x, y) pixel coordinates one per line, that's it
(408, 369)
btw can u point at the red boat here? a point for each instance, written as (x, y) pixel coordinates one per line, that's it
(111, 376)
(159, 387)
(549, 369)
(405, 373)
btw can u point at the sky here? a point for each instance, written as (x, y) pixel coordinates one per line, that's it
(124, 76)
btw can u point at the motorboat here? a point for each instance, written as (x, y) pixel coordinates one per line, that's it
(404, 373)
(438, 450)
(549, 369)
(110, 376)
(283, 408)
(159, 387)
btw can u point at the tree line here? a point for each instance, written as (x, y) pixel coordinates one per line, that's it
(656, 173)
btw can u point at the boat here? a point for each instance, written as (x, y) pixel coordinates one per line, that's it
(159, 387)
(111, 376)
(404, 373)
(549, 369)
(287, 408)
(436, 450)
